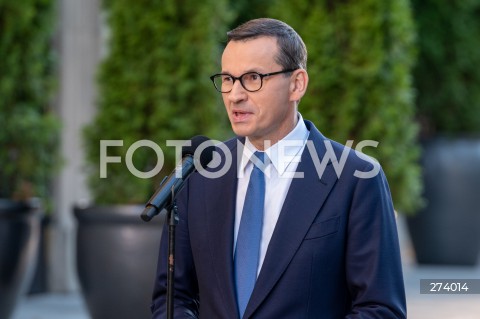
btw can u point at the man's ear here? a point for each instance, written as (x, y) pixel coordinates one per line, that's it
(298, 84)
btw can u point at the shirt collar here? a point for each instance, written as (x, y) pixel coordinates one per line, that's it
(281, 154)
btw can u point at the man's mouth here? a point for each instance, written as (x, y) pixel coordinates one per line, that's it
(239, 116)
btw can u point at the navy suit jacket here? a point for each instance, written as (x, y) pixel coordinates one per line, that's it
(334, 252)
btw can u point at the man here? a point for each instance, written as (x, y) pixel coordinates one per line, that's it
(325, 245)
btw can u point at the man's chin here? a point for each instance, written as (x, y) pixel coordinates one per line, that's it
(240, 131)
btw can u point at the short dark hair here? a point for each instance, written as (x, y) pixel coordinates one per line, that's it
(292, 50)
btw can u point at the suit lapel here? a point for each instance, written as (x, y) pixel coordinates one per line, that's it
(220, 215)
(304, 199)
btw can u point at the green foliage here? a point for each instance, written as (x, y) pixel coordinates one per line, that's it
(360, 58)
(245, 10)
(29, 134)
(447, 75)
(154, 85)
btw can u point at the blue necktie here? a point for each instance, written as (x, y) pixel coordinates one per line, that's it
(247, 252)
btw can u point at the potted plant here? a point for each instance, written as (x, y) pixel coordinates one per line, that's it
(448, 99)
(28, 140)
(153, 85)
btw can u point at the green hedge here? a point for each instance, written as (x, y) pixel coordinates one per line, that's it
(447, 75)
(245, 10)
(360, 58)
(154, 82)
(154, 85)
(29, 131)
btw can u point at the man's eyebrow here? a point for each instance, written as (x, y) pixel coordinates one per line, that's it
(247, 71)
(256, 70)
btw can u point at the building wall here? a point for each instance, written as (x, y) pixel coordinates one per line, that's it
(80, 48)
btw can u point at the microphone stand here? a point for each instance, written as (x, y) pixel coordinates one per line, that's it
(172, 220)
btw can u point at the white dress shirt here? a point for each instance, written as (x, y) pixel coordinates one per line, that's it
(284, 157)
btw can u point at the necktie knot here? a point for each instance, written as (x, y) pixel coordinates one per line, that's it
(259, 160)
(260, 156)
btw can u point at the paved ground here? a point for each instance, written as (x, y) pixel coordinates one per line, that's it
(420, 306)
(424, 306)
(52, 306)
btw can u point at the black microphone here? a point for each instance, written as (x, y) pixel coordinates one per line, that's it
(174, 183)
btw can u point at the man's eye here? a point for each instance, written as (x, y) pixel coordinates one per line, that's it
(227, 79)
(251, 77)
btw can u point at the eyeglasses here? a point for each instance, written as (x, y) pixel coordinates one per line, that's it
(251, 81)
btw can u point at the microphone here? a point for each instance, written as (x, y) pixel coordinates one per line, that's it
(170, 186)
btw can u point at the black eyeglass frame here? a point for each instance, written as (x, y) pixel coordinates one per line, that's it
(234, 78)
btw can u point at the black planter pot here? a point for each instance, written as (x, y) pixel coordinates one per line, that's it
(19, 237)
(116, 260)
(446, 231)
(39, 283)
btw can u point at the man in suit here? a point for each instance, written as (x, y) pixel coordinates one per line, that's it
(325, 245)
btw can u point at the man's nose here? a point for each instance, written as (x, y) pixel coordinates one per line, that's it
(238, 92)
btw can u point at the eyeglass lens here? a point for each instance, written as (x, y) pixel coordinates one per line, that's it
(251, 81)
